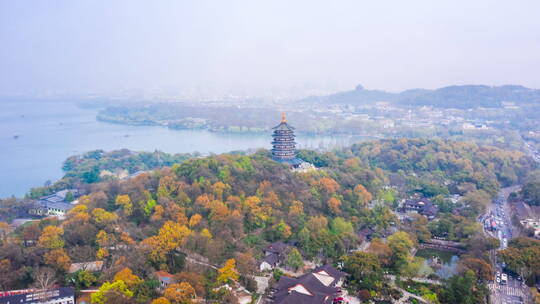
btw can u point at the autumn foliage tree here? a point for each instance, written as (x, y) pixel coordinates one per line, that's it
(234, 205)
(125, 203)
(180, 293)
(363, 197)
(483, 269)
(228, 272)
(170, 236)
(161, 300)
(51, 237)
(128, 277)
(334, 205)
(114, 292)
(103, 217)
(58, 258)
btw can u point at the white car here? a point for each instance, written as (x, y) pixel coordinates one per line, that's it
(498, 279)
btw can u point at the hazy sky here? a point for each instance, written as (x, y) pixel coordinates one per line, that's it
(264, 47)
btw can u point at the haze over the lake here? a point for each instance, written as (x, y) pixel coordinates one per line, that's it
(215, 49)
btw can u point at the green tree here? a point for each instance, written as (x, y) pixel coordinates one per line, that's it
(401, 245)
(522, 257)
(82, 279)
(531, 193)
(294, 259)
(463, 289)
(412, 268)
(365, 271)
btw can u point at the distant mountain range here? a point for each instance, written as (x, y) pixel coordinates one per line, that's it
(464, 96)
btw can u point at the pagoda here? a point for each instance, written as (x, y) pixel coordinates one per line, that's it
(283, 145)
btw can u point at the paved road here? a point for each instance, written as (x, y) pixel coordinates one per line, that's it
(192, 260)
(514, 292)
(529, 148)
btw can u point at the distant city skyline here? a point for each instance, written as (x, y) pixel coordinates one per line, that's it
(277, 50)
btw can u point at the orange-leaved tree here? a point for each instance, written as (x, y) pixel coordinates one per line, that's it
(180, 293)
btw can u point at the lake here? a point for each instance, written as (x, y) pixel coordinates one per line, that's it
(49, 132)
(448, 265)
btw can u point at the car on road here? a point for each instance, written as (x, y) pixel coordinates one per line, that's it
(498, 280)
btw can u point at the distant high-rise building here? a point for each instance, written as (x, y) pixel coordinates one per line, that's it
(283, 145)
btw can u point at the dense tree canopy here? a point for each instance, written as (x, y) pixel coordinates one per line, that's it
(225, 209)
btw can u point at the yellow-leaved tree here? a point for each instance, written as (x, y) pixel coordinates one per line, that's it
(125, 202)
(102, 216)
(102, 253)
(128, 277)
(51, 237)
(170, 236)
(228, 272)
(116, 289)
(206, 233)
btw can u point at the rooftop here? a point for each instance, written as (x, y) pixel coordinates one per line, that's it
(319, 286)
(55, 205)
(276, 247)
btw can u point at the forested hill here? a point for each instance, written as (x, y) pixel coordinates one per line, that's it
(464, 96)
(444, 160)
(98, 165)
(231, 206)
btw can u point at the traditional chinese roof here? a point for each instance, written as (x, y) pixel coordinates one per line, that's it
(55, 205)
(163, 275)
(424, 206)
(272, 259)
(276, 247)
(317, 287)
(59, 196)
(283, 125)
(336, 274)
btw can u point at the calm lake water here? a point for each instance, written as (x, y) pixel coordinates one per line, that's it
(449, 262)
(49, 132)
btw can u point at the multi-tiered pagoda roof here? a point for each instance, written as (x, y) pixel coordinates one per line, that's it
(283, 145)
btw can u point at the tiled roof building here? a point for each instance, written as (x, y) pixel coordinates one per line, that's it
(321, 286)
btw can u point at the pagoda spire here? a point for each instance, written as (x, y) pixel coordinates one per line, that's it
(283, 117)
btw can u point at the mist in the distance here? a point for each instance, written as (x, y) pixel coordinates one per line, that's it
(277, 49)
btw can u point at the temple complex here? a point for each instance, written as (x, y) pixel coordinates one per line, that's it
(283, 145)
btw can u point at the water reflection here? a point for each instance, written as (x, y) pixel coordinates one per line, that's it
(442, 263)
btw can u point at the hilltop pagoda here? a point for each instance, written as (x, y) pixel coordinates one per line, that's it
(283, 145)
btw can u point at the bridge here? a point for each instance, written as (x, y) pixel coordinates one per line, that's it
(443, 245)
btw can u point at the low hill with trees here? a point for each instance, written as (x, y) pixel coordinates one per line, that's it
(227, 208)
